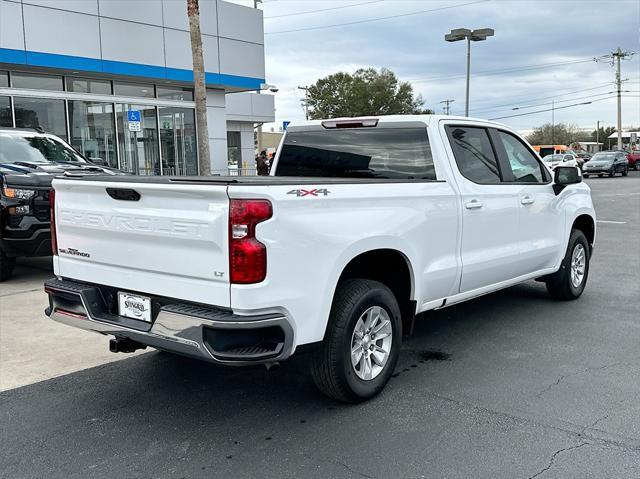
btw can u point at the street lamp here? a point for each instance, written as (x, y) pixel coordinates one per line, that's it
(478, 35)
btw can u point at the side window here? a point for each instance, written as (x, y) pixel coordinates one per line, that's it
(474, 154)
(524, 164)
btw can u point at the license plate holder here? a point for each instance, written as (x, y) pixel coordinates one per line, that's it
(134, 306)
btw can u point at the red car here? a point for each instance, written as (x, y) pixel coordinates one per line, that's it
(633, 159)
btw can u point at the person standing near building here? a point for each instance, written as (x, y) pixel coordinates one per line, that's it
(262, 166)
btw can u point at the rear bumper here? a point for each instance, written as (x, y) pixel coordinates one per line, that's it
(202, 332)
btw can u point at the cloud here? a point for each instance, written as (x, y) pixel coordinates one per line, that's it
(528, 33)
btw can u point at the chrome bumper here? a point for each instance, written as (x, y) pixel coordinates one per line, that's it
(177, 327)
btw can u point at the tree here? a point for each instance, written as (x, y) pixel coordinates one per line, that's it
(199, 87)
(366, 92)
(603, 134)
(558, 134)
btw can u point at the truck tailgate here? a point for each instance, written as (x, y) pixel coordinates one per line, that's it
(172, 241)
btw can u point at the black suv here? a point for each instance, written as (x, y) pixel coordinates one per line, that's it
(29, 160)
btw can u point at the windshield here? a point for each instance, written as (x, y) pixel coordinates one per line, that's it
(390, 153)
(604, 156)
(552, 158)
(35, 149)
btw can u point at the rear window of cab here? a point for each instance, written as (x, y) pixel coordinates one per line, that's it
(384, 153)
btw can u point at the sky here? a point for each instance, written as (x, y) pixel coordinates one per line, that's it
(542, 51)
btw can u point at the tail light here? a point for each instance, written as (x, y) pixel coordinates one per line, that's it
(247, 255)
(54, 237)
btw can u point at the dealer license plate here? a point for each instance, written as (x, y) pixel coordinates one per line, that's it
(134, 306)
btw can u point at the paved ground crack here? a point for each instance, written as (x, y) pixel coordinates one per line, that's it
(582, 371)
(554, 456)
(353, 471)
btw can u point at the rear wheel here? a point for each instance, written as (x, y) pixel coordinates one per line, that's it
(570, 280)
(585, 175)
(362, 342)
(6, 266)
(637, 165)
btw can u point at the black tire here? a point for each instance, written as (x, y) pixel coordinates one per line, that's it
(559, 284)
(585, 175)
(600, 175)
(625, 172)
(612, 172)
(637, 165)
(331, 366)
(6, 266)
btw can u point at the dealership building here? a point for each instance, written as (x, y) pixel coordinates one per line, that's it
(114, 78)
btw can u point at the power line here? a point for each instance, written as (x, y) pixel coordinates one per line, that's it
(499, 72)
(551, 109)
(322, 10)
(357, 22)
(595, 95)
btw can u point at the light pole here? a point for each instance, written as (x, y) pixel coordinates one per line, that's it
(478, 35)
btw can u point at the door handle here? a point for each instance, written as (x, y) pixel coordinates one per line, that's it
(527, 200)
(473, 205)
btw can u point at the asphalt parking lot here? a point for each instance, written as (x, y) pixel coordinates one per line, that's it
(512, 385)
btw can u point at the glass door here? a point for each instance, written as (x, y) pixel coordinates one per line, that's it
(138, 139)
(178, 141)
(92, 131)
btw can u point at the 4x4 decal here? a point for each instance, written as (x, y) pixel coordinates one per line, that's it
(313, 192)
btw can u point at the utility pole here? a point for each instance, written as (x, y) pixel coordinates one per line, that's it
(615, 58)
(446, 108)
(306, 100)
(553, 122)
(598, 135)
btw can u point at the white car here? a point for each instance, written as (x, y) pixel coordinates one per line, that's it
(363, 223)
(560, 159)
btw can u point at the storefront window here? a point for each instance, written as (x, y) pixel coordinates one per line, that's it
(139, 152)
(33, 81)
(4, 79)
(44, 113)
(178, 141)
(5, 111)
(172, 93)
(133, 89)
(84, 85)
(234, 154)
(92, 131)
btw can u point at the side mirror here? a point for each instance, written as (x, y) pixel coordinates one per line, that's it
(565, 175)
(98, 161)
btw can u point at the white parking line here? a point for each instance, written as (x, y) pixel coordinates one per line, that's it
(612, 222)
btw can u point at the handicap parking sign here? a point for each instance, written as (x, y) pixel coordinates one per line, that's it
(133, 115)
(133, 120)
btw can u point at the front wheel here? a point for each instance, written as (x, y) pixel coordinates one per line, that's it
(585, 175)
(570, 280)
(6, 266)
(637, 165)
(612, 173)
(625, 172)
(362, 342)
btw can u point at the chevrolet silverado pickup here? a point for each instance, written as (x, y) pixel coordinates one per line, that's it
(363, 223)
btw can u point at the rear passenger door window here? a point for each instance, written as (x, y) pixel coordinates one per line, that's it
(474, 154)
(524, 165)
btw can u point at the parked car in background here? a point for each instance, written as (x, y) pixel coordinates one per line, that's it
(29, 160)
(607, 163)
(633, 160)
(544, 150)
(562, 159)
(584, 157)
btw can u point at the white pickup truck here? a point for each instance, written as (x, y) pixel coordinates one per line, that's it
(363, 223)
